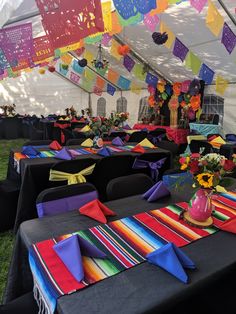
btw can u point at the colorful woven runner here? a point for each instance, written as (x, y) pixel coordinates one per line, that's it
(126, 242)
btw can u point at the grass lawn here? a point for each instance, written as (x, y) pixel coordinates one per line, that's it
(6, 238)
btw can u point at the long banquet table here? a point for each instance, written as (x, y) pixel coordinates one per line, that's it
(142, 289)
(34, 175)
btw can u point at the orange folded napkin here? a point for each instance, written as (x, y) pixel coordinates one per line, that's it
(138, 149)
(96, 210)
(55, 145)
(229, 225)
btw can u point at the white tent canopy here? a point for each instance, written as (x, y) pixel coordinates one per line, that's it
(187, 25)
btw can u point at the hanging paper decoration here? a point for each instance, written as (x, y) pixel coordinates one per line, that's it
(100, 82)
(97, 90)
(198, 4)
(106, 38)
(123, 50)
(89, 75)
(138, 72)
(66, 59)
(128, 63)
(133, 20)
(151, 21)
(180, 50)
(228, 38)
(79, 51)
(160, 38)
(135, 88)
(17, 43)
(62, 50)
(221, 85)
(42, 71)
(144, 6)
(88, 55)
(77, 68)
(123, 82)
(24, 64)
(63, 69)
(112, 76)
(93, 39)
(82, 63)
(111, 89)
(214, 20)
(114, 50)
(3, 61)
(206, 74)
(74, 77)
(193, 62)
(116, 26)
(161, 6)
(171, 36)
(194, 87)
(151, 79)
(87, 85)
(42, 48)
(67, 22)
(125, 8)
(185, 86)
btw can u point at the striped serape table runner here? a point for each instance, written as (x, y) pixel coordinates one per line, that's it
(126, 242)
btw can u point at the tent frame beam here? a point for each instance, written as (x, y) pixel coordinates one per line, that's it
(227, 12)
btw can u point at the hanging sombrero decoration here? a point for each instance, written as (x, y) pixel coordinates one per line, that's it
(123, 50)
(83, 63)
(159, 38)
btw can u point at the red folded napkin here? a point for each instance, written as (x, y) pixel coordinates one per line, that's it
(212, 138)
(229, 225)
(96, 210)
(138, 149)
(55, 145)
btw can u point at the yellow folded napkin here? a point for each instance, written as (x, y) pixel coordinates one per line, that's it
(67, 119)
(86, 128)
(196, 138)
(61, 119)
(146, 143)
(218, 140)
(87, 143)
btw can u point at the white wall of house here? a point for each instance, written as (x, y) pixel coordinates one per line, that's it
(132, 103)
(38, 94)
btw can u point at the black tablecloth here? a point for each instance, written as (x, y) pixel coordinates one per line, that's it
(34, 179)
(142, 289)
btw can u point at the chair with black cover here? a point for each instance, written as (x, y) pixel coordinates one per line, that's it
(64, 198)
(38, 143)
(126, 186)
(137, 137)
(120, 134)
(68, 134)
(75, 141)
(157, 135)
(200, 147)
(24, 304)
(72, 167)
(109, 168)
(230, 137)
(170, 146)
(79, 135)
(216, 119)
(35, 134)
(9, 193)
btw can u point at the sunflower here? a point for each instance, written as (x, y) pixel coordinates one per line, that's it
(205, 179)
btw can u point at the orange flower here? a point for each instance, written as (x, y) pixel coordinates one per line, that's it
(183, 104)
(151, 101)
(177, 88)
(173, 103)
(195, 102)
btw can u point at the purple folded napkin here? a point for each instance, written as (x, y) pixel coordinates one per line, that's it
(117, 141)
(63, 154)
(30, 151)
(172, 259)
(71, 250)
(126, 127)
(105, 151)
(156, 192)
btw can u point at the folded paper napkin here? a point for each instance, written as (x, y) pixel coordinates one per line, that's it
(229, 225)
(146, 143)
(126, 127)
(55, 145)
(212, 138)
(30, 151)
(86, 128)
(218, 140)
(96, 210)
(138, 149)
(64, 154)
(117, 141)
(71, 250)
(156, 192)
(172, 259)
(87, 143)
(105, 151)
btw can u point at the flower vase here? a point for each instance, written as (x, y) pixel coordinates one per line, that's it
(97, 142)
(200, 206)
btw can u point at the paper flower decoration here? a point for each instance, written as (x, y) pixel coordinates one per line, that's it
(177, 88)
(65, 66)
(82, 63)
(183, 104)
(164, 96)
(51, 69)
(191, 114)
(159, 38)
(42, 71)
(194, 87)
(123, 50)
(161, 87)
(187, 98)
(151, 101)
(151, 89)
(174, 104)
(195, 102)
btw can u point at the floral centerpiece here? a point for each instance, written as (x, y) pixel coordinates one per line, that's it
(209, 173)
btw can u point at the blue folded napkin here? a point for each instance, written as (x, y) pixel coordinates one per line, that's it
(105, 151)
(117, 141)
(63, 154)
(30, 151)
(156, 192)
(172, 259)
(71, 250)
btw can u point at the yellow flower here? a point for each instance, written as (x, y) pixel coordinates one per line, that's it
(187, 160)
(184, 166)
(205, 179)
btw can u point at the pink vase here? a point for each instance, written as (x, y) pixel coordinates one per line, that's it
(200, 206)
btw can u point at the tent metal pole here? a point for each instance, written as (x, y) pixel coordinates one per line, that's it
(227, 12)
(21, 18)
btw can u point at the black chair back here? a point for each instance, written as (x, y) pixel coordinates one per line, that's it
(122, 135)
(200, 147)
(126, 186)
(137, 137)
(38, 143)
(170, 146)
(75, 141)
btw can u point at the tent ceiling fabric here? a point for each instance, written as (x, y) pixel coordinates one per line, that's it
(186, 24)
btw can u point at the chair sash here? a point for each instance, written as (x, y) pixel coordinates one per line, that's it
(72, 178)
(154, 166)
(62, 126)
